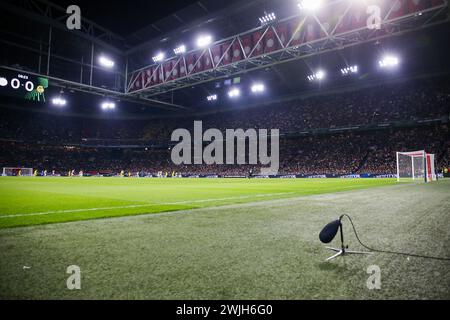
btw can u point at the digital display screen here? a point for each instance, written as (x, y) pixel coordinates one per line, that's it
(23, 85)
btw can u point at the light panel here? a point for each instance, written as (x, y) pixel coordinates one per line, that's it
(389, 61)
(108, 105)
(158, 58)
(349, 70)
(204, 41)
(258, 88)
(310, 5)
(318, 76)
(234, 93)
(180, 50)
(268, 18)
(106, 62)
(59, 101)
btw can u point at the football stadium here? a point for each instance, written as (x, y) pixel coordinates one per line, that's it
(256, 150)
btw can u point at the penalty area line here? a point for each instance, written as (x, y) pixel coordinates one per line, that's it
(141, 205)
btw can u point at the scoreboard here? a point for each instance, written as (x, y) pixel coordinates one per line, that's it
(23, 85)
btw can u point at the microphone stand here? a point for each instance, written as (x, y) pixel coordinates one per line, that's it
(343, 250)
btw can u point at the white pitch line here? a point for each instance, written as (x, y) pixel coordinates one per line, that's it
(141, 205)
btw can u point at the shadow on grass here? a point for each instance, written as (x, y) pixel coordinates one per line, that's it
(331, 266)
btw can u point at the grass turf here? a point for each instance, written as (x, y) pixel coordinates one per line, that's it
(258, 250)
(31, 201)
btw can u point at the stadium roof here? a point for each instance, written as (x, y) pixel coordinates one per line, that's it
(142, 23)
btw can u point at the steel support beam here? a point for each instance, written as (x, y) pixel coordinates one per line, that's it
(287, 52)
(58, 82)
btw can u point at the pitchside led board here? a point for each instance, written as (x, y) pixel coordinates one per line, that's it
(23, 85)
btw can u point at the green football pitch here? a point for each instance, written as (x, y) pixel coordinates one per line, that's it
(220, 238)
(29, 201)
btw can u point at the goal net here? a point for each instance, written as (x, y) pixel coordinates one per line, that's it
(415, 166)
(17, 172)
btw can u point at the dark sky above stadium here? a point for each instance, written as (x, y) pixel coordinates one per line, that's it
(127, 17)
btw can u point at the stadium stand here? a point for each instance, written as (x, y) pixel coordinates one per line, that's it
(346, 133)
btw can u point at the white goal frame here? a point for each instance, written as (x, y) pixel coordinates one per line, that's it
(427, 172)
(26, 172)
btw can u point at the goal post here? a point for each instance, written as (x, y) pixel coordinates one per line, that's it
(430, 168)
(417, 166)
(17, 172)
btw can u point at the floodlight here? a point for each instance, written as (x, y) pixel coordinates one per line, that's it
(310, 5)
(258, 88)
(108, 105)
(204, 41)
(234, 93)
(267, 18)
(180, 50)
(318, 76)
(59, 101)
(158, 58)
(389, 61)
(106, 62)
(212, 97)
(349, 70)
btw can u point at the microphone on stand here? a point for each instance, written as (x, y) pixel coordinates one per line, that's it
(329, 232)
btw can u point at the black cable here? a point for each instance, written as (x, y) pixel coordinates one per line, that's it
(391, 252)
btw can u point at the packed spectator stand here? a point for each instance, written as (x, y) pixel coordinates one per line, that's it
(354, 132)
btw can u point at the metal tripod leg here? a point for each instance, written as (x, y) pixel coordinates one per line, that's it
(343, 252)
(340, 253)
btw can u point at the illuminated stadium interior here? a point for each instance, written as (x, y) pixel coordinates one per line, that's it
(347, 89)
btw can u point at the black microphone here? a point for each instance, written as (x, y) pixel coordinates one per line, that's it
(329, 232)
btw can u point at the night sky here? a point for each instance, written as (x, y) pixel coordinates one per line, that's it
(126, 17)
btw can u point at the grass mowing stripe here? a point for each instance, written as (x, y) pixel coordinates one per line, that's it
(142, 205)
(34, 201)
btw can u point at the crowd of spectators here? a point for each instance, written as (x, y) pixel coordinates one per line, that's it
(371, 152)
(413, 100)
(55, 142)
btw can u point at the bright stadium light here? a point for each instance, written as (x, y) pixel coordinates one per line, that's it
(267, 18)
(234, 93)
(180, 50)
(158, 58)
(258, 88)
(349, 70)
(108, 105)
(389, 61)
(212, 97)
(204, 41)
(310, 5)
(106, 62)
(318, 76)
(59, 101)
